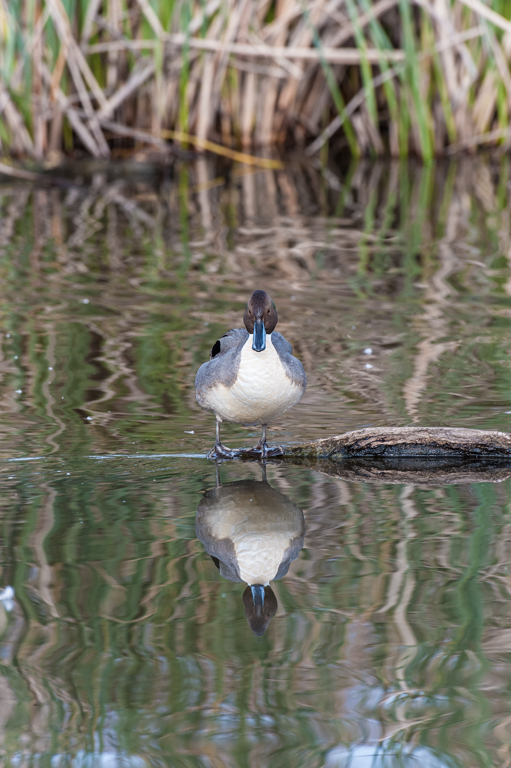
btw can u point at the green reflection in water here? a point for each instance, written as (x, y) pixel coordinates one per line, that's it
(125, 638)
(114, 293)
(391, 630)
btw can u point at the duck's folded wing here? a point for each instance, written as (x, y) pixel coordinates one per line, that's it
(223, 366)
(281, 344)
(233, 338)
(292, 365)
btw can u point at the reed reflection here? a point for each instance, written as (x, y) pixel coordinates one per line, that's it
(253, 532)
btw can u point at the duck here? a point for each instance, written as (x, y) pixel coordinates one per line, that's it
(252, 532)
(251, 377)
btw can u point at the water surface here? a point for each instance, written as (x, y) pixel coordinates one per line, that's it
(124, 645)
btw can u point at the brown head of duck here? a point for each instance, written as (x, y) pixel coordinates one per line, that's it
(260, 318)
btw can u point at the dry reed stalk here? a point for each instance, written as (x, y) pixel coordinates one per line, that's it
(91, 13)
(19, 173)
(359, 98)
(152, 18)
(114, 20)
(347, 30)
(225, 65)
(63, 25)
(74, 119)
(235, 16)
(475, 141)
(204, 113)
(248, 109)
(256, 51)
(269, 101)
(37, 91)
(444, 17)
(21, 139)
(302, 37)
(58, 70)
(484, 106)
(137, 79)
(332, 56)
(78, 66)
(316, 96)
(487, 13)
(140, 136)
(208, 66)
(447, 55)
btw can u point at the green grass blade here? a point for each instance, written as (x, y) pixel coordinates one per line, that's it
(413, 78)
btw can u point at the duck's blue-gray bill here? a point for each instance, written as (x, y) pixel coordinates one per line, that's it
(259, 341)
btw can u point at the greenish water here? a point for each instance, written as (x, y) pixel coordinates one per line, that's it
(390, 643)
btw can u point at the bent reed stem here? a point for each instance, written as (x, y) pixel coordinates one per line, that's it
(393, 77)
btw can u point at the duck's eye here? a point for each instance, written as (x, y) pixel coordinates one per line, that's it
(268, 312)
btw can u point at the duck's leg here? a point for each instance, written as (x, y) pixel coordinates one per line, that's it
(219, 451)
(264, 450)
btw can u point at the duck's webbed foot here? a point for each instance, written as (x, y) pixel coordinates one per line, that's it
(265, 451)
(220, 451)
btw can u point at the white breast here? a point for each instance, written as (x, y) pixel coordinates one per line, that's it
(262, 390)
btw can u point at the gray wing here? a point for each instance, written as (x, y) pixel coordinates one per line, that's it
(231, 339)
(223, 366)
(290, 554)
(221, 549)
(292, 366)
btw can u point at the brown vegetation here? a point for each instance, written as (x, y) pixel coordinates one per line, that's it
(381, 77)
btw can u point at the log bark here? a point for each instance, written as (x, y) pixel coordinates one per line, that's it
(408, 442)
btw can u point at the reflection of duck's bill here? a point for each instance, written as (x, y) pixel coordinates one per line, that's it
(257, 594)
(259, 608)
(259, 341)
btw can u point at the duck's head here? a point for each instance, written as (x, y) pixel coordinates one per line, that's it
(260, 318)
(260, 607)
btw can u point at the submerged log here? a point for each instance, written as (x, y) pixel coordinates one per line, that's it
(406, 443)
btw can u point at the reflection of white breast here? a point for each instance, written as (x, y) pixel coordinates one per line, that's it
(259, 554)
(260, 523)
(261, 392)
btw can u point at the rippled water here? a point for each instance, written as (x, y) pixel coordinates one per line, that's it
(127, 642)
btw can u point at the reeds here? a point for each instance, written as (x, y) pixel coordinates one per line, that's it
(386, 77)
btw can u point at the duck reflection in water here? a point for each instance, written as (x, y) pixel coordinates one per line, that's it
(253, 532)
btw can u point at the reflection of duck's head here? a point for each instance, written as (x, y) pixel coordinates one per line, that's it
(253, 532)
(260, 607)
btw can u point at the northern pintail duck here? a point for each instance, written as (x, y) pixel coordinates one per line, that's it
(253, 532)
(252, 376)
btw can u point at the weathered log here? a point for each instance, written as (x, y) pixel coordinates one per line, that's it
(408, 442)
(406, 455)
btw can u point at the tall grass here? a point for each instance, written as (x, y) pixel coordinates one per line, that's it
(387, 77)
